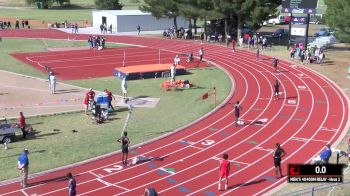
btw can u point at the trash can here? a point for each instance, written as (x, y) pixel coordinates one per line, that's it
(39, 5)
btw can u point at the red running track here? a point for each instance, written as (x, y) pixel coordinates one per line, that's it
(312, 111)
(82, 64)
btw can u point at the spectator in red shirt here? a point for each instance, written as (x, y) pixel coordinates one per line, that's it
(89, 99)
(86, 103)
(110, 97)
(22, 124)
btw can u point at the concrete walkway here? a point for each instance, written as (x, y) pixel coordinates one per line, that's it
(30, 95)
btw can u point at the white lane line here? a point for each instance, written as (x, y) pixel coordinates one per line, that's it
(221, 141)
(290, 139)
(24, 192)
(199, 148)
(110, 184)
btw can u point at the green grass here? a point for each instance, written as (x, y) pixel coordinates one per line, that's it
(128, 4)
(63, 147)
(9, 46)
(48, 15)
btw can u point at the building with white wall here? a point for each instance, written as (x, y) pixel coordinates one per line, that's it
(128, 20)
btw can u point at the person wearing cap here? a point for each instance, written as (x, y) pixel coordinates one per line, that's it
(23, 166)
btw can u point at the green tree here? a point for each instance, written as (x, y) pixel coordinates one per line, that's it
(251, 12)
(337, 17)
(162, 8)
(47, 3)
(108, 4)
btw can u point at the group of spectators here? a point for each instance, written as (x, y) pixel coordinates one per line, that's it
(5, 25)
(8, 25)
(97, 42)
(180, 33)
(311, 55)
(104, 29)
(255, 41)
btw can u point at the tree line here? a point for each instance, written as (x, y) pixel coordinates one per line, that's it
(234, 13)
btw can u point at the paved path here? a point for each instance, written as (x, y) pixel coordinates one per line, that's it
(31, 96)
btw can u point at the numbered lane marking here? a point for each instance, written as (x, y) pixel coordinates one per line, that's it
(208, 142)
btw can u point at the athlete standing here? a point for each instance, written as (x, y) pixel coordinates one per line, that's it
(125, 147)
(224, 170)
(237, 110)
(277, 89)
(277, 157)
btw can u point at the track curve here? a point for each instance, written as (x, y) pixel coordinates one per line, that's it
(312, 111)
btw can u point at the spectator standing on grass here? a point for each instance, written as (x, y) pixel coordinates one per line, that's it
(71, 185)
(52, 81)
(173, 73)
(308, 58)
(264, 43)
(22, 124)
(277, 157)
(23, 166)
(240, 41)
(124, 86)
(110, 98)
(302, 56)
(91, 96)
(124, 140)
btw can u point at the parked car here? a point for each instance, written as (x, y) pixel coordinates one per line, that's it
(322, 32)
(281, 19)
(8, 133)
(314, 20)
(282, 33)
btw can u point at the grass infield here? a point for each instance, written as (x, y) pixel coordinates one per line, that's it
(51, 149)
